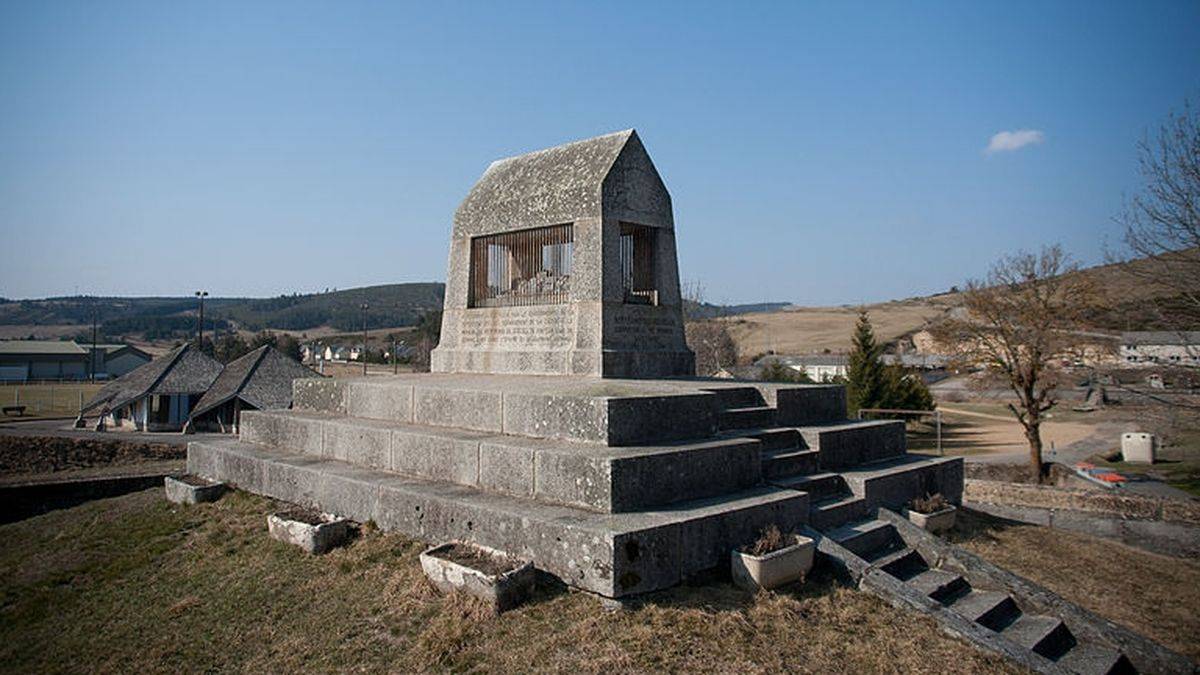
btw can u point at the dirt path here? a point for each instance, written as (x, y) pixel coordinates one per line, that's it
(989, 437)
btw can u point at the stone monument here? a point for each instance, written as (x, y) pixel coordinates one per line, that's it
(562, 424)
(562, 262)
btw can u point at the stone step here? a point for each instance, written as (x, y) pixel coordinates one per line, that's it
(819, 486)
(1092, 659)
(610, 554)
(780, 438)
(612, 412)
(738, 397)
(991, 609)
(585, 475)
(785, 463)
(831, 513)
(904, 564)
(848, 444)
(1045, 635)
(753, 417)
(893, 482)
(938, 584)
(866, 537)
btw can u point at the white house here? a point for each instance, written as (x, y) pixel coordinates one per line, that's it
(1160, 348)
(818, 367)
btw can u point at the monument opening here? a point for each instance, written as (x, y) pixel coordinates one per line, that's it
(637, 264)
(527, 267)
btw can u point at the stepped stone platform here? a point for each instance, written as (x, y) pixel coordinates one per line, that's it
(616, 486)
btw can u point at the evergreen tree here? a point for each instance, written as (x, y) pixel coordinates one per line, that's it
(906, 391)
(866, 379)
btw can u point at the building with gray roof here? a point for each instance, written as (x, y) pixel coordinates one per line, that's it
(158, 396)
(23, 360)
(260, 380)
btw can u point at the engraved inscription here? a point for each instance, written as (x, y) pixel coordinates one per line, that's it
(524, 328)
(638, 332)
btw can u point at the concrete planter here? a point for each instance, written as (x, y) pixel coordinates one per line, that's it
(189, 489)
(938, 521)
(774, 569)
(314, 532)
(485, 573)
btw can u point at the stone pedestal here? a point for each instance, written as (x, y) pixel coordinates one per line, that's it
(562, 262)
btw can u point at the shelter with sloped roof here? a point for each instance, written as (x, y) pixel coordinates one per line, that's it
(158, 396)
(260, 380)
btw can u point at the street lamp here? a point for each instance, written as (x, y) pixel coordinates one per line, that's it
(200, 321)
(364, 307)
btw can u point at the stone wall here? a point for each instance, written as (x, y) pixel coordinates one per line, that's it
(1166, 526)
(1113, 504)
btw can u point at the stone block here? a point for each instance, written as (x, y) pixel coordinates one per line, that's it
(581, 418)
(807, 404)
(506, 467)
(574, 479)
(313, 533)
(358, 442)
(498, 580)
(478, 410)
(850, 444)
(384, 400)
(297, 431)
(639, 420)
(191, 489)
(443, 455)
(319, 394)
(691, 472)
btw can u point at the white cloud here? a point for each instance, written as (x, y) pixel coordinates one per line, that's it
(1007, 141)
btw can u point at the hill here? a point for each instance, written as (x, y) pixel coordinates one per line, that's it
(161, 318)
(804, 330)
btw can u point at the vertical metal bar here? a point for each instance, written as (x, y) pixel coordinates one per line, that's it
(937, 416)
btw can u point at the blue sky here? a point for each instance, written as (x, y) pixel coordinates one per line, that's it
(819, 153)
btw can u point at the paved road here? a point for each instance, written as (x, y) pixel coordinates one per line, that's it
(64, 429)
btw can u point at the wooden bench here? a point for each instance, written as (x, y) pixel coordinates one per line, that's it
(17, 409)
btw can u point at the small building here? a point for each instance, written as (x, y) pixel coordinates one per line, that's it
(818, 367)
(260, 380)
(158, 396)
(114, 360)
(1160, 348)
(23, 360)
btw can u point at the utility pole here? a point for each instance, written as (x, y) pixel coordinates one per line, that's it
(364, 349)
(395, 366)
(92, 360)
(200, 321)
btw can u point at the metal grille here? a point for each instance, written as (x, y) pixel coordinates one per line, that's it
(530, 267)
(637, 264)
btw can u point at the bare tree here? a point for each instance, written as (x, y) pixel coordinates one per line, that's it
(1162, 223)
(708, 338)
(1022, 325)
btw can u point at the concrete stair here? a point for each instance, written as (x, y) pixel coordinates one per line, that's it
(878, 545)
(613, 554)
(585, 475)
(751, 417)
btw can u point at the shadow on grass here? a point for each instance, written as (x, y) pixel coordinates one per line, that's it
(971, 525)
(714, 591)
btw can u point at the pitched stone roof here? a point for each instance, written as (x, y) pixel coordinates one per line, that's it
(40, 347)
(545, 187)
(262, 378)
(183, 370)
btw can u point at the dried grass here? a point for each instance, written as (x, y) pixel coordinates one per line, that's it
(134, 583)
